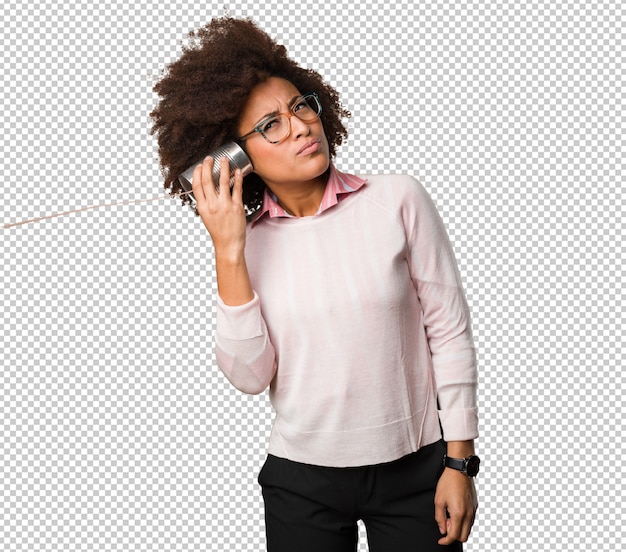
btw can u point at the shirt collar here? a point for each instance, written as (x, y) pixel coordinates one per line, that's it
(338, 186)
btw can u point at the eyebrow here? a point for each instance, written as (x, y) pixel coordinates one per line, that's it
(273, 113)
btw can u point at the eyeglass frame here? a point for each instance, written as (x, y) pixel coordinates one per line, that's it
(289, 115)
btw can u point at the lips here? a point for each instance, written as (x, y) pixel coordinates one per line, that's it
(310, 147)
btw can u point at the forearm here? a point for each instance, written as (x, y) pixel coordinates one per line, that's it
(243, 349)
(233, 279)
(224, 217)
(460, 449)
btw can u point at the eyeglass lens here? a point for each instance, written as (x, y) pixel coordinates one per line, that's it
(307, 109)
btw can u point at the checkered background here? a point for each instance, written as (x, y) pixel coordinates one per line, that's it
(117, 431)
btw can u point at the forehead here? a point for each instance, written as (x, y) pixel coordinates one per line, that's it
(267, 97)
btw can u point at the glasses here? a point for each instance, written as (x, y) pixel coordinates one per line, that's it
(277, 128)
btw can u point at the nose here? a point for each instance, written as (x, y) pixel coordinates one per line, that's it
(299, 127)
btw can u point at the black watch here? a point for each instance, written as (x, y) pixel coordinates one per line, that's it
(469, 466)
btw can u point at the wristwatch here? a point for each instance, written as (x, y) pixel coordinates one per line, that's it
(469, 466)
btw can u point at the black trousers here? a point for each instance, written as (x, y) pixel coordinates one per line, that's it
(316, 509)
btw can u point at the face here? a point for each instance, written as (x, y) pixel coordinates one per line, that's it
(302, 158)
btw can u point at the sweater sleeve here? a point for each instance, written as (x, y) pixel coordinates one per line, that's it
(243, 349)
(446, 314)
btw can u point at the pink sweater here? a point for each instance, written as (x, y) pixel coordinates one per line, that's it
(360, 327)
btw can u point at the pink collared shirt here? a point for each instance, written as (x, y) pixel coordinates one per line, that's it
(339, 184)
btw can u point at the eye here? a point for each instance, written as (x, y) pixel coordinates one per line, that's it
(269, 124)
(301, 105)
(304, 105)
(304, 109)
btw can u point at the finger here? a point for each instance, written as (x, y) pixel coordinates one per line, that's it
(441, 518)
(453, 532)
(445, 539)
(196, 184)
(224, 184)
(208, 184)
(466, 528)
(238, 187)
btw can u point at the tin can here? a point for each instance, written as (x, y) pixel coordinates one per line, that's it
(237, 158)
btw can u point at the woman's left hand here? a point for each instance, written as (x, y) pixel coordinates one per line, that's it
(455, 506)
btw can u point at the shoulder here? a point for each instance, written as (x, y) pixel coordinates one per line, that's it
(396, 182)
(396, 192)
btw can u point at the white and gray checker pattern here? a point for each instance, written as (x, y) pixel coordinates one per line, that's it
(118, 433)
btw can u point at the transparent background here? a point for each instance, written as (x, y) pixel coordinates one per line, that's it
(117, 431)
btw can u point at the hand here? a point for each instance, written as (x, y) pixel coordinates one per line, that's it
(455, 497)
(224, 217)
(222, 213)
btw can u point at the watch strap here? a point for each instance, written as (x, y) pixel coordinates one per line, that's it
(455, 463)
(469, 466)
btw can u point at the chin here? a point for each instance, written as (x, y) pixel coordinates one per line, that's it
(320, 170)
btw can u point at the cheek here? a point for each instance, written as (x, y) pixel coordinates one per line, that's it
(325, 140)
(259, 153)
(267, 160)
(323, 133)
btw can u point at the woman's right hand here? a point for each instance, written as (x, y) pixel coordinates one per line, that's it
(224, 217)
(222, 213)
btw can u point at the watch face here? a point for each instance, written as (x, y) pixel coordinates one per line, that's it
(473, 465)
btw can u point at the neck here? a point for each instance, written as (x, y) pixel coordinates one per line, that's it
(301, 200)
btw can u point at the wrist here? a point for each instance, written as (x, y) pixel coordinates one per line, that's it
(233, 280)
(230, 256)
(460, 457)
(460, 449)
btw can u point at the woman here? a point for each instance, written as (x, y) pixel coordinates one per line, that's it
(339, 292)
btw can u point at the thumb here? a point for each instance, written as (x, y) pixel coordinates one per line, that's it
(441, 518)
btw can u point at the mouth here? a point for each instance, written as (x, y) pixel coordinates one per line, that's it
(310, 147)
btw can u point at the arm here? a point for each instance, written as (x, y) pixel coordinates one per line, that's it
(224, 217)
(455, 498)
(243, 349)
(446, 315)
(447, 323)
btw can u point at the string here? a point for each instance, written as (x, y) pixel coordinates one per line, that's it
(64, 213)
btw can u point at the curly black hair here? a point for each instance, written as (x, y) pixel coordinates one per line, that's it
(203, 92)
